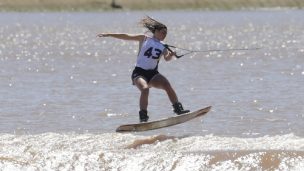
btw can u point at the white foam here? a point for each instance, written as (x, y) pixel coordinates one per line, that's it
(111, 151)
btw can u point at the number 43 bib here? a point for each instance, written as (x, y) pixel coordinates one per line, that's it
(150, 53)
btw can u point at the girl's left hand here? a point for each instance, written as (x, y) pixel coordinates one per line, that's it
(172, 54)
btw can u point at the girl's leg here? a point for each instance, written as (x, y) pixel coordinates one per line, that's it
(142, 85)
(159, 81)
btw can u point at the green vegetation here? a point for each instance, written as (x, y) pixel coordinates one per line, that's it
(101, 5)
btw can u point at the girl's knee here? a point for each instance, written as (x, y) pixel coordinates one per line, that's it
(144, 90)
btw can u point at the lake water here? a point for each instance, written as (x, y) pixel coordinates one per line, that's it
(64, 92)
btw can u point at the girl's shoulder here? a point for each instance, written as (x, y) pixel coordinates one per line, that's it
(147, 37)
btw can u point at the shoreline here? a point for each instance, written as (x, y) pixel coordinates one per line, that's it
(140, 5)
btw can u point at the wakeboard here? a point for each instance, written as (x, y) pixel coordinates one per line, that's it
(144, 126)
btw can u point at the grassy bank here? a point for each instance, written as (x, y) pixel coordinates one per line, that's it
(100, 5)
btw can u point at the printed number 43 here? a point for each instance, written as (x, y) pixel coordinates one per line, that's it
(149, 52)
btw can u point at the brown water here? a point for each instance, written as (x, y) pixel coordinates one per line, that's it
(57, 77)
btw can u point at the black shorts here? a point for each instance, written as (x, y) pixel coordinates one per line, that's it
(146, 74)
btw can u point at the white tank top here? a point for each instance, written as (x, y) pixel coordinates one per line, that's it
(149, 54)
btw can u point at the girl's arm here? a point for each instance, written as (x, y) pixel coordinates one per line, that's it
(123, 36)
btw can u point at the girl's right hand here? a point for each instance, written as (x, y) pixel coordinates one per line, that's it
(102, 35)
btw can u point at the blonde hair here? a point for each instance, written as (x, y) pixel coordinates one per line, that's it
(152, 24)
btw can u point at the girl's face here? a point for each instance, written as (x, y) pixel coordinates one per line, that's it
(160, 34)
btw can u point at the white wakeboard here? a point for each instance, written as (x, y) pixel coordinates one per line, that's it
(144, 126)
